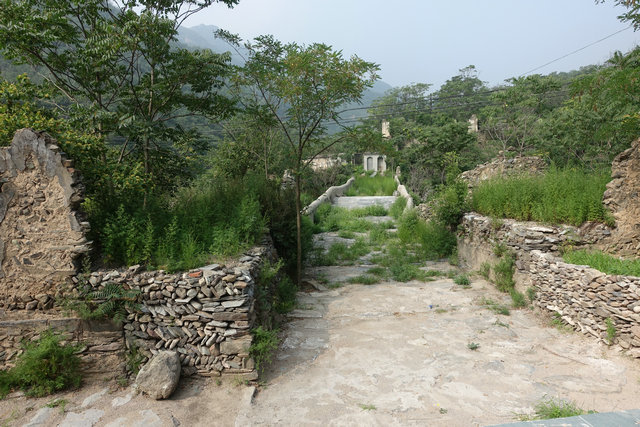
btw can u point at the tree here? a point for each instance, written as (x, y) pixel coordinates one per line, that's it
(462, 95)
(301, 89)
(117, 63)
(632, 14)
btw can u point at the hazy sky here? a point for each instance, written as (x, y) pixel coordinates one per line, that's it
(429, 41)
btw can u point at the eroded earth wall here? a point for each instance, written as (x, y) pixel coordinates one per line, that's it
(622, 198)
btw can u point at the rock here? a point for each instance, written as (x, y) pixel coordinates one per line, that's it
(159, 377)
(237, 346)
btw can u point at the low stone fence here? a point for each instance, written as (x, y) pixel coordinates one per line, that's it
(402, 192)
(103, 342)
(327, 197)
(584, 297)
(205, 314)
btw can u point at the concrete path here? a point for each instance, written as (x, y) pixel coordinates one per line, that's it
(364, 201)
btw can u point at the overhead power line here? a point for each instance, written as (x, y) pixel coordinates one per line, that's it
(575, 51)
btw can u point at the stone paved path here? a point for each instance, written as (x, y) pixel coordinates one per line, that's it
(398, 354)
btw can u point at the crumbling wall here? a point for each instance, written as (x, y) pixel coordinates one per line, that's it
(622, 198)
(584, 297)
(503, 167)
(41, 229)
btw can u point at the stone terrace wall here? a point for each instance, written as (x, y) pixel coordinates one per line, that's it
(584, 297)
(502, 166)
(205, 314)
(622, 198)
(41, 230)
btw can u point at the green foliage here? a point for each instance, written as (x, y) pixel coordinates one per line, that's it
(265, 343)
(552, 408)
(462, 280)
(46, 366)
(286, 291)
(364, 279)
(332, 218)
(603, 262)
(110, 302)
(378, 185)
(495, 306)
(503, 273)
(568, 196)
(611, 330)
(485, 270)
(134, 359)
(531, 294)
(432, 239)
(518, 299)
(473, 346)
(397, 208)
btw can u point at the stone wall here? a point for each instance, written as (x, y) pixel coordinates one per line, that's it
(41, 229)
(585, 298)
(503, 167)
(103, 343)
(327, 197)
(205, 314)
(622, 198)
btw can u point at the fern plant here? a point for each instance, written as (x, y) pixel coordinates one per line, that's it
(110, 302)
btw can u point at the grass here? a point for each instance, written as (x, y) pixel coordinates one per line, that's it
(364, 279)
(397, 208)
(332, 218)
(556, 322)
(557, 408)
(462, 280)
(611, 330)
(561, 196)
(46, 366)
(367, 407)
(495, 306)
(431, 240)
(473, 346)
(603, 262)
(485, 270)
(379, 185)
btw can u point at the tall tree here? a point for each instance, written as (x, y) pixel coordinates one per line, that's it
(117, 62)
(301, 91)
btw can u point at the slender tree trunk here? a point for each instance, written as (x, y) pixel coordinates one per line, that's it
(298, 230)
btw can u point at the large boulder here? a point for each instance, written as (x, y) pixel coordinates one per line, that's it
(159, 377)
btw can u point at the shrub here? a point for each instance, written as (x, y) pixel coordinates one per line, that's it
(433, 239)
(285, 295)
(503, 273)
(570, 196)
(46, 366)
(265, 343)
(397, 208)
(518, 299)
(462, 280)
(110, 302)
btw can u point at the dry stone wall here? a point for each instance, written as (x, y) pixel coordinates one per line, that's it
(503, 167)
(41, 229)
(585, 298)
(205, 314)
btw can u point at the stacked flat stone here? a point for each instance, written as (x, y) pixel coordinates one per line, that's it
(584, 297)
(205, 314)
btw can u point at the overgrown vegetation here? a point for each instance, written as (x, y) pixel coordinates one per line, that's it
(379, 185)
(110, 302)
(265, 343)
(568, 196)
(46, 366)
(550, 408)
(603, 262)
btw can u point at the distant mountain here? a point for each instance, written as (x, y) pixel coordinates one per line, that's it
(202, 36)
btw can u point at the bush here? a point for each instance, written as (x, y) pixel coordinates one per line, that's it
(265, 343)
(550, 408)
(397, 208)
(46, 366)
(569, 196)
(433, 239)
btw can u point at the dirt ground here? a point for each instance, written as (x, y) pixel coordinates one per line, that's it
(386, 354)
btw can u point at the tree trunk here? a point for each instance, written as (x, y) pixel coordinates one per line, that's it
(298, 231)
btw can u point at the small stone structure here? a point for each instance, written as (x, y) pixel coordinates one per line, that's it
(374, 162)
(473, 124)
(41, 228)
(584, 297)
(325, 162)
(503, 167)
(386, 129)
(402, 190)
(622, 198)
(327, 197)
(205, 314)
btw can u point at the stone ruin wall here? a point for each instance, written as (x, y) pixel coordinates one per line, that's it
(205, 315)
(503, 167)
(584, 297)
(622, 198)
(41, 229)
